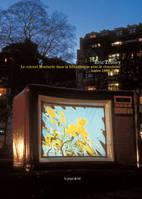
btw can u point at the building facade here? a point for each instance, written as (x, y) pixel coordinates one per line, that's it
(121, 45)
(5, 119)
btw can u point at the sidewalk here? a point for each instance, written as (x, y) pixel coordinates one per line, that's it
(71, 184)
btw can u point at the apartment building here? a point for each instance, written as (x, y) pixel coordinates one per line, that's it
(119, 47)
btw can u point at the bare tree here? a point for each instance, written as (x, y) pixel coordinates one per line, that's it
(30, 20)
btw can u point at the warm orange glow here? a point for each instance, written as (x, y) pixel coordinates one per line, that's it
(90, 88)
(20, 148)
(141, 134)
(2, 91)
(5, 60)
(18, 151)
(140, 99)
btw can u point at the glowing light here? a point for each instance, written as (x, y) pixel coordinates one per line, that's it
(116, 70)
(113, 86)
(18, 151)
(117, 43)
(110, 73)
(2, 91)
(75, 137)
(140, 99)
(5, 60)
(93, 59)
(96, 45)
(140, 39)
(90, 88)
(141, 133)
(113, 57)
(113, 72)
(1, 132)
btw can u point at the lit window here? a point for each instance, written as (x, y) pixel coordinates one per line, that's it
(132, 55)
(2, 91)
(93, 36)
(140, 39)
(141, 133)
(93, 59)
(90, 88)
(5, 60)
(117, 43)
(140, 100)
(113, 57)
(1, 132)
(113, 86)
(116, 71)
(96, 45)
(110, 73)
(113, 72)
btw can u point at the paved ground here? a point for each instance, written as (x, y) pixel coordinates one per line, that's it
(109, 183)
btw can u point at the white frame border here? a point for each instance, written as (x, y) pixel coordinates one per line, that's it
(108, 121)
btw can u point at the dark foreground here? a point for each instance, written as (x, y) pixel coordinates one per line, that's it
(98, 183)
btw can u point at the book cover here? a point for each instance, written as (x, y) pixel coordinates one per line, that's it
(70, 98)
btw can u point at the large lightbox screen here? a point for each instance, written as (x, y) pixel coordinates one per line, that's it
(73, 130)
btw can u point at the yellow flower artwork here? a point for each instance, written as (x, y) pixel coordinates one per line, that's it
(69, 131)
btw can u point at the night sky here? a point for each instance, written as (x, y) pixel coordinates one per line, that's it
(94, 15)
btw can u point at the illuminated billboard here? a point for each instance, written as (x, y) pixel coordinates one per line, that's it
(70, 128)
(74, 130)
